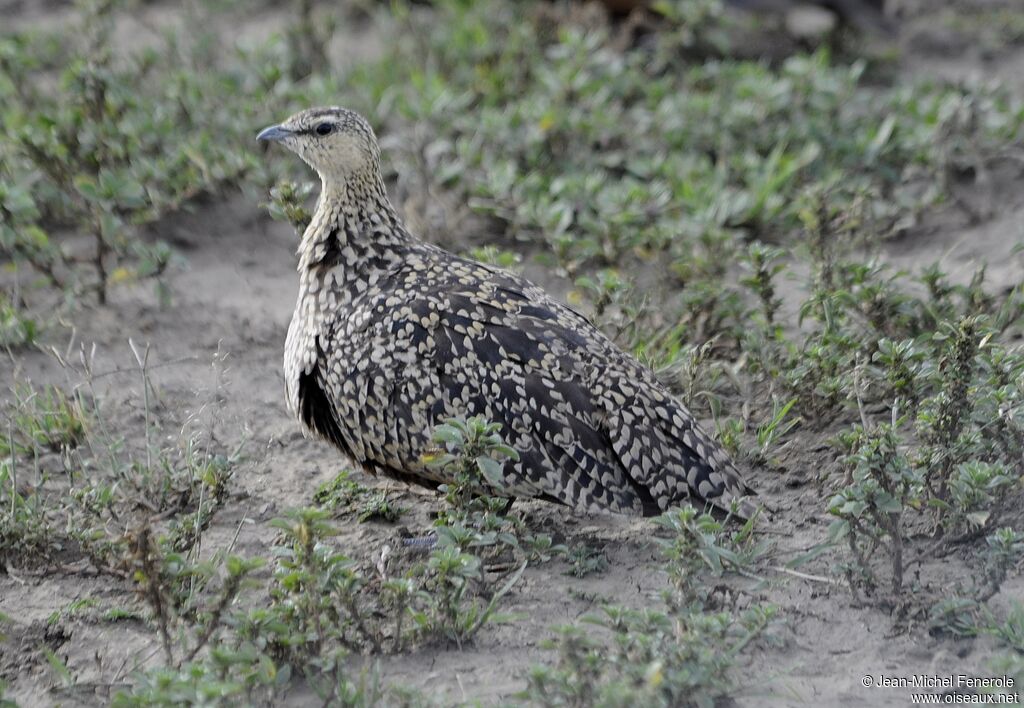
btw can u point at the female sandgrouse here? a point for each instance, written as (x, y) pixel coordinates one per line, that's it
(392, 335)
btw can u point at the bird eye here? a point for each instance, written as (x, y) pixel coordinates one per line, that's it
(324, 129)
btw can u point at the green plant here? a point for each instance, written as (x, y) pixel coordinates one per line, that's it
(974, 489)
(17, 328)
(288, 202)
(25, 532)
(4, 701)
(474, 458)
(449, 609)
(764, 263)
(699, 542)
(185, 597)
(1005, 547)
(769, 433)
(342, 490)
(966, 614)
(73, 608)
(870, 509)
(108, 152)
(343, 493)
(1011, 630)
(584, 560)
(943, 416)
(648, 657)
(317, 589)
(380, 508)
(903, 363)
(678, 656)
(191, 684)
(43, 421)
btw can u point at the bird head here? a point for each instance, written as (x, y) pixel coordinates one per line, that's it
(338, 143)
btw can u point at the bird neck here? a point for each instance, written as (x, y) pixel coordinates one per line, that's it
(354, 221)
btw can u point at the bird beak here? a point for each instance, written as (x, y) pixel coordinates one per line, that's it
(274, 133)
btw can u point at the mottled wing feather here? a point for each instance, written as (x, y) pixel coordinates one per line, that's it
(593, 428)
(667, 456)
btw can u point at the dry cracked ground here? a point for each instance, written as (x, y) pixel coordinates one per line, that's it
(213, 355)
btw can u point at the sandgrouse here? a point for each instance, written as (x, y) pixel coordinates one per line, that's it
(392, 335)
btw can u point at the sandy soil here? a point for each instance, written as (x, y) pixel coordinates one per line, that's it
(232, 302)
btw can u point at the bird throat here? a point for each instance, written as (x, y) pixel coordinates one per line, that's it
(354, 226)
